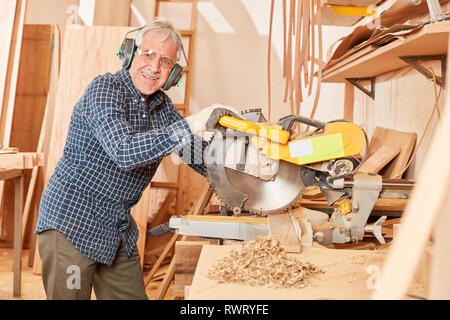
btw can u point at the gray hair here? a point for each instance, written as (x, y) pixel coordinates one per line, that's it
(165, 26)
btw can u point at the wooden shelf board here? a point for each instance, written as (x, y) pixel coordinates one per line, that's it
(432, 39)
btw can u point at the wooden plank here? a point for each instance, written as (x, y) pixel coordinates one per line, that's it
(428, 205)
(6, 25)
(186, 259)
(17, 263)
(11, 162)
(282, 229)
(379, 158)
(9, 174)
(12, 74)
(345, 276)
(396, 139)
(21, 160)
(381, 204)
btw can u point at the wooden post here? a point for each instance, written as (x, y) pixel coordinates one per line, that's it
(17, 263)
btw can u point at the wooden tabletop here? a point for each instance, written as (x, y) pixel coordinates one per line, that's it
(349, 274)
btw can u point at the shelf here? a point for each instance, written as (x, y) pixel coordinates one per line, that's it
(372, 61)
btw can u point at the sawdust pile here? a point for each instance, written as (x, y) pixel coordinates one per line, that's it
(263, 262)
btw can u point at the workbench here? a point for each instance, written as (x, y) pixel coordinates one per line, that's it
(11, 167)
(349, 274)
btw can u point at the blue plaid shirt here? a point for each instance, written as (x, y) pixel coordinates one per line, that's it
(114, 146)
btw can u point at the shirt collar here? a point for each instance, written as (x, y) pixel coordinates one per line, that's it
(154, 99)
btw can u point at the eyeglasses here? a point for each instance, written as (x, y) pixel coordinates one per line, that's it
(150, 56)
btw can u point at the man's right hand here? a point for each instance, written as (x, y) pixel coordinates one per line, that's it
(197, 122)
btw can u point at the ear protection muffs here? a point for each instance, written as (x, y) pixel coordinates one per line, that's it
(126, 54)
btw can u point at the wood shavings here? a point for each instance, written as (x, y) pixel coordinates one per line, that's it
(263, 262)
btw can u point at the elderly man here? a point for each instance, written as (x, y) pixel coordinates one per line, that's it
(120, 130)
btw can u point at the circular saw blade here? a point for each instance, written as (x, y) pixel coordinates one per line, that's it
(267, 197)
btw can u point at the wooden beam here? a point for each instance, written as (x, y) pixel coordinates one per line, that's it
(12, 74)
(379, 158)
(17, 260)
(186, 259)
(6, 25)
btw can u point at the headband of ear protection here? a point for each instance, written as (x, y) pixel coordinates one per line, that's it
(126, 53)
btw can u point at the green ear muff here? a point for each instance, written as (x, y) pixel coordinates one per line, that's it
(126, 52)
(174, 77)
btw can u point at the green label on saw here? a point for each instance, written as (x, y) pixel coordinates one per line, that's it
(317, 149)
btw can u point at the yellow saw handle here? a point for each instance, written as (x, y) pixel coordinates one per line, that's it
(271, 132)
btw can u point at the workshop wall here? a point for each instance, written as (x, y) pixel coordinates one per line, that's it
(406, 104)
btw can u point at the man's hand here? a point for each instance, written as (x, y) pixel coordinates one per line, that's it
(208, 118)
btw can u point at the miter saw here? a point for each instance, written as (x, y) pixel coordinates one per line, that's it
(262, 169)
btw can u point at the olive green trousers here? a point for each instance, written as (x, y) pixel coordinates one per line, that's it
(68, 274)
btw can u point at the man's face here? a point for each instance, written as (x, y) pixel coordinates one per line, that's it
(149, 75)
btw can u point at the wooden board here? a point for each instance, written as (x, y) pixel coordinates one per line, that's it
(397, 139)
(380, 158)
(186, 258)
(12, 74)
(346, 277)
(281, 228)
(6, 25)
(95, 60)
(381, 204)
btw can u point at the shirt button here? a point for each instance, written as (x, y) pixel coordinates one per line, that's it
(135, 100)
(184, 139)
(143, 99)
(144, 116)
